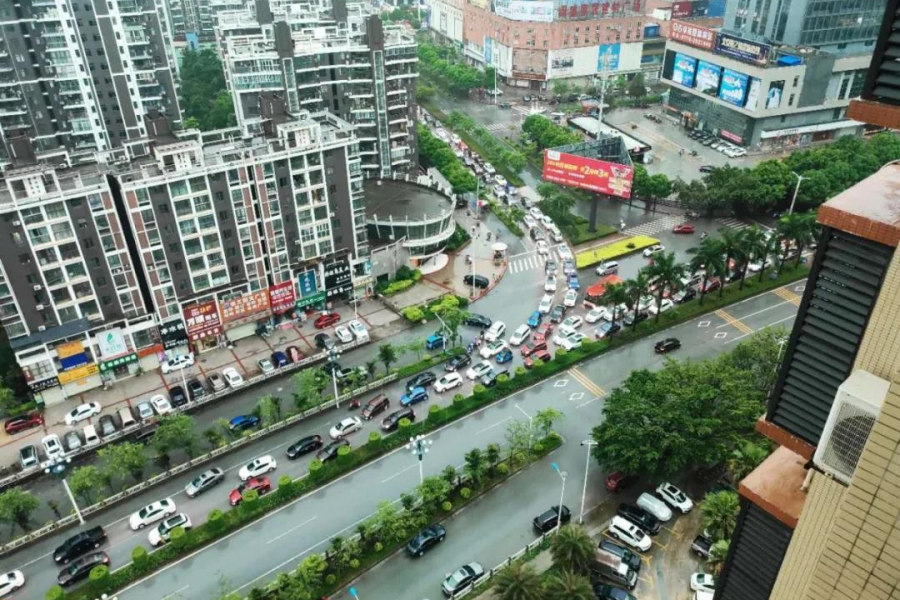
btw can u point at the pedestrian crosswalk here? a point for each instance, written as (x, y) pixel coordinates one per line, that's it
(658, 226)
(732, 222)
(496, 127)
(526, 262)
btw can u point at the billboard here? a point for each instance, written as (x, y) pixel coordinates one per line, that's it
(202, 320)
(683, 72)
(734, 87)
(682, 9)
(608, 57)
(773, 97)
(708, 77)
(741, 49)
(587, 173)
(753, 93)
(245, 305)
(112, 343)
(173, 334)
(692, 35)
(540, 11)
(488, 47)
(701, 8)
(281, 297)
(338, 278)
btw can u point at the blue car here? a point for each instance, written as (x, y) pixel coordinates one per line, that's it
(504, 356)
(243, 422)
(279, 359)
(574, 284)
(435, 341)
(415, 396)
(535, 320)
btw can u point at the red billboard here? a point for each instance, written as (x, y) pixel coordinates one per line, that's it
(587, 173)
(202, 320)
(692, 35)
(281, 297)
(682, 9)
(244, 306)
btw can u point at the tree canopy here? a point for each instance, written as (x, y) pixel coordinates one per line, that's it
(205, 101)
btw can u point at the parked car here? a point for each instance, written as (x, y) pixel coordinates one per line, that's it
(479, 281)
(448, 382)
(667, 345)
(532, 347)
(640, 517)
(375, 406)
(610, 592)
(570, 299)
(674, 497)
(492, 349)
(176, 363)
(635, 317)
(495, 331)
(414, 396)
(703, 582)
(490, 380)
(545, 305)
(610, 267)
(462, 577)
(81, 568)
(504, 356)
(257, 467)
(701, 545)
(358, 330)
(557, 314)
(479, 369)
(280, 359)
(242, 423)
(547, 520)
(28, 456)
(232, 377)
(654, 249)
(22, 423)
(330, 451)
(550, 284)
(390, 422)
(475, 320)
(204, 481)
(685, 295)
(436, 341)
(522, 333)
(426, 539)
(457, 362)
(72, 441)
(266, 366)
(626, 531)
(345, 427)
(151, 513)
(53, 448)
(542, 333)
(196, 391)
(618, 481)
(107, 425)
(421, 380)
(326, 319)
(215, 382)
(628, 557)
(323, 341)
(342, 333)
(654, 506)
(177, 396)
(261, 485)
(78, 544)
(11, 581)
(535, 319)
(304, 446)
(82, 412)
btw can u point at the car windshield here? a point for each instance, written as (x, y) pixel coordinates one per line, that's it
(457, 578)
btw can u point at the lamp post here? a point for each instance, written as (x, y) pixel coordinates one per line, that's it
(333, 355)
(57, 467)
(495, 85)
(562, 493)
(530, 425)
(418, 446)
(354, 593)
(800, 178)
(587, 463)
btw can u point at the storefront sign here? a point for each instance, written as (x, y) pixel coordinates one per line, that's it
(608, 57)
(202, 320)
(308, 283)
(43, 384)
(245, 306)
(74, 361)
(310, 300)
(338, 278)
(173, 334)
(109, 365)
(731, 136)
(692, 35)
(682, 9)
(741, 49)
(587, 173)
(281, 297)
(112, 343)
(69, 349)
(539, 11)
(75, 374)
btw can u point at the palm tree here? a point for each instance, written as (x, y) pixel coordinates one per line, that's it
(746, 458)
(572, 549)
(796, 228)
(518, 582)
(475, 465)
(717, 555)
(733, 247)
(615, 294)
(636, 289)
(755, 247)
(719, 513)
(568, 586)
(667, 272)
(707, 256)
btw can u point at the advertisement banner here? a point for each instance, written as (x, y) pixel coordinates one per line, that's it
(731, 136)
(741, 49)
(683, 72)
(753, 94)
(43, 384)
(561, 61)
(540, 11)
(773, 97)
(587, 173)
(308, 283)
(310, 300)
(488, 47)
(608, 57)
(173, 334)
(479, 3)
(708, 77)
(118, 362)
(682, 9)
(734, 87)
(112, 343)
(701, 8)
(692, 35)
(71, 362)
(338, 278)
(69, 349)
(282, 297)
(202, 320)
(77, 374)
(245, 306)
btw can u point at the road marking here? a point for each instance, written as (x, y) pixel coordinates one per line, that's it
(561, 383)
(583, 404)
(576, 396)
(586, 382)
(292, 529)
(753, 314)
(736, 323)
(787, 295)
(763, 327)
(176, 592)
(398, 474)
(704, 324)
(500, 422)
(721, 335)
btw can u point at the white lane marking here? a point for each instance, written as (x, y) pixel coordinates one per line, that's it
(395, 475)
(761, 328)
(291, 530)
(176, 592)
(754, 314)
(583, 404)
(522, 410)
(500, 422)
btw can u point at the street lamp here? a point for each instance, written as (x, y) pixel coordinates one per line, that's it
(587, 462)
(530, 425)
(57, 467)
(354, 593)
(562, 493)
(333, 355)
(418, 446)
(800, 178)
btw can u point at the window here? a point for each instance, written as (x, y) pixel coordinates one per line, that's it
(791, 100)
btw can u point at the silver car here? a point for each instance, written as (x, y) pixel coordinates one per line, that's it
(204, 481)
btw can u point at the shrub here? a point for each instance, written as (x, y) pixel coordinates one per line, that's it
(447, 506)
(434, 413)
(315, 469)
(538, 363)
(216, 520)
(178, 537)
(354, 563)
(249, 498)
(537, 448)
(560, 354)
(465, 493)
(403, 427)
(55, 593)
(330, 579)
(343, 456)
(140, 558)
(286, 486)
(99, 578)
(379, 546)
(375, 439)
(521, 372)
(398, 286)
(458, 400)
(503, 468)
(413, 314)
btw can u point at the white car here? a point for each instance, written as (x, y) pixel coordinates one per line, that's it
(493, 349)
(53, 448)
(500, 180)
(82, 412)
(756, 267)
(152, 513)
(232, 377)
(545, 305)
(522, 333)
(144, 411)
(176, 363)
(548, 222)
(266, 366)
(542, 248)
(529, 221)
(10, 582)
(257, 466)
(495, 331)
(666, 305)
(535, 212)
(654, 506)
(448, 382)
(600, 313)
(703, 582)
(345, 427)
(654, 249)
(562, 333)
(489, 169)
(645, 303)
(629, 533)
(573, 322)
(564, 252)
(572, 341)
(160, 404)
(479, 370)
(674, 497)
(342, 333)
(159, 535)
(570, 299)
(607, 268)
(550, 284)
(358, 330)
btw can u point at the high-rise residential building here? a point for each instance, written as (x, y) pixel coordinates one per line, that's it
(79, 77)
(331, 57)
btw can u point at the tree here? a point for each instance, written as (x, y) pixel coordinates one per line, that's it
(450, 475)
(637, 87)
(83, 482)
(433, 491)
(568, 586)
(176, 431)
(759, 356)
(545, 418)
(8, 400)
(747, 457)
(452, 316)
(475, 465)
(16, 506)
(518, 582)
(417, 347)
(560, 87)
(387, 355)
(708, 257)
(615, 295)
(204, 97)
(572, 549)
(755, 247)
(269, 410)
(518, 437)
(636, 288)
(371, 366)
(121, 460)
(719, 513)
(425, 92)
(800, 229)
(667, 272)
(308, 387)
(718, 552)
(388, 522)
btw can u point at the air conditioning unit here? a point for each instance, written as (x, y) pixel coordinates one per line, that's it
(42, 328)
(39, 307)
(856, 408)
(17, 223)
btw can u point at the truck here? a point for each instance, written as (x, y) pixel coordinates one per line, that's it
(608, 566)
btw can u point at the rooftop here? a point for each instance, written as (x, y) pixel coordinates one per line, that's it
(869, 209)
(776, 486)
(402, 200)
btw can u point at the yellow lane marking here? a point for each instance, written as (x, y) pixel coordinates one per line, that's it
(586, 382)
(736, 323)
(788, 295)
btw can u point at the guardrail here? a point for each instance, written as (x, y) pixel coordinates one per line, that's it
(509, 560)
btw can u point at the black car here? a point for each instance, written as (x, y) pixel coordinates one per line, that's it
(685, 295)
(475, 320)
(666, 345)
(304, 446)
(639, 517)
(537, 234)
(390, 422)
(546, 521)
(421, 380)
(78, 544)
(179, 398)
(633, 317)
(480, 281)
(195, 389)
(330, 451)
(375, 406)
(145, 433)
(490, 380)
(457, 362)
(81, 568)
(625, 555)
(706, 168)
(557, 313)
(428, 537)
(324, 341)
(609, 592)
(701, 545)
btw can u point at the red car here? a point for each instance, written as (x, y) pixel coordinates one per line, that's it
(23, 423)
(326, 320)
(542, 332)
(538, 354)
(683, 228)
(533, 346)
(260, 484)
(617, 480)
(712, 285)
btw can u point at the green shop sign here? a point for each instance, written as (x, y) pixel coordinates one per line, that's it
(118, 362)
(310, 300)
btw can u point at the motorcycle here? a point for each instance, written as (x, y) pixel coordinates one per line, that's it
(354, 404)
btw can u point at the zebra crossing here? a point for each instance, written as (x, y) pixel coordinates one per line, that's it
(658, 226)
(526, 262)
(733, 223)
(496, 127)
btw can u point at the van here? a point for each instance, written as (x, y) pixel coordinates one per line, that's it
(610, 267)
(127, 417)
(609, 566)
(90, 436)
